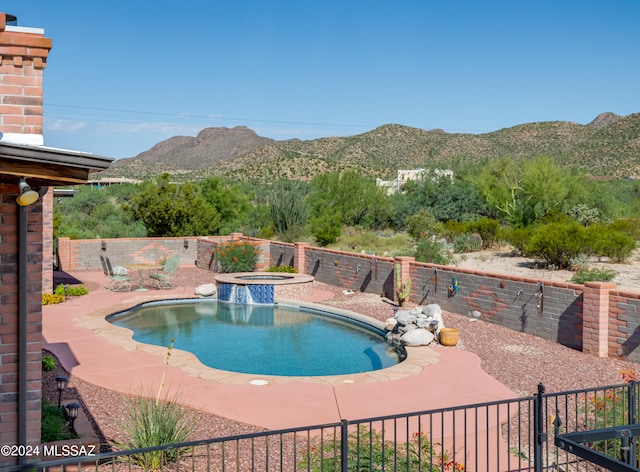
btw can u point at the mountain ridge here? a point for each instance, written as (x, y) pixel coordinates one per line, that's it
(608, 145)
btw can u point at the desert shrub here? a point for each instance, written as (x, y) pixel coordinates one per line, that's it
(325, 228)
(584, 275)
(423, 224)
(237, 256)
(434, 250)
(53, 426)
(488, 229)
(611, 243)
(580, 262)
(368, 450)
(518, 238)
(452, 228)
(70, 290)
(284, 268)
(557, 244)
(630, 226)
(467, 242)
(152, 422)
(48, 363)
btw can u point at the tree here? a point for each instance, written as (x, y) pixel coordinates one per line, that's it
(526, 191)
(357, 200)
(228, 199)
(168, 209)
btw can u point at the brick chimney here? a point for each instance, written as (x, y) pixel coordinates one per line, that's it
(23, 57)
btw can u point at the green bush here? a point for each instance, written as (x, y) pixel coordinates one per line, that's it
(593, 275)
(518, 238)
(237, 256)
(48, 363)
(557, 244)
(611, 243)
(467, 242)
(284, 268)
(54, 424)
(630, 226)
(325, 229)
(488, 229)
(70, 290)
(423, 224)
(434, 250)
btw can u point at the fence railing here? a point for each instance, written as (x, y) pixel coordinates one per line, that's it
(513, 435)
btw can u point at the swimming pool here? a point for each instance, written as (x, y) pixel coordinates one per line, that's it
(276, 339)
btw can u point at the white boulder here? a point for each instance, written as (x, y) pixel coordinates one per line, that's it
(207, 290)
(417, 337)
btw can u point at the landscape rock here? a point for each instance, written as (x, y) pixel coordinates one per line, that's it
(417, 337)
(207, 290)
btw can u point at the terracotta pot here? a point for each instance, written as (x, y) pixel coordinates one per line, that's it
(449, 336)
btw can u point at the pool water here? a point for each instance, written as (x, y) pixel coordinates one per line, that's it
(261, 339)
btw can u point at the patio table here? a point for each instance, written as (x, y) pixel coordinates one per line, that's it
(141, 267)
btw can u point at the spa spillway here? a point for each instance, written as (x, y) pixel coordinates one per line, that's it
(262, 287)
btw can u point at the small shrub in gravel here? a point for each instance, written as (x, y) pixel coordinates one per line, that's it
(593, 275)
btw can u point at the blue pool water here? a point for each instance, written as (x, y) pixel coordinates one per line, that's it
(261, 339)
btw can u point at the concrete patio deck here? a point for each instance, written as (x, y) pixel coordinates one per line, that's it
(95, 351)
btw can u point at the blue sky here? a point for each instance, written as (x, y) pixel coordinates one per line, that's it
(123, 76)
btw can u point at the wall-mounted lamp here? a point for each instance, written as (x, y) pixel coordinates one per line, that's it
(27, 196)
(103, 245)
(186, 244)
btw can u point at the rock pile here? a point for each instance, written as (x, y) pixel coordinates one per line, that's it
(416, 327)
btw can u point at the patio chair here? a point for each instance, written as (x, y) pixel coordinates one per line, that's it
(163, 278)
(119, 283)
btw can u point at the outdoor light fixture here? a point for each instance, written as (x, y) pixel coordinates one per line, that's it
(27, 196)
(72, 413)
(61, 384)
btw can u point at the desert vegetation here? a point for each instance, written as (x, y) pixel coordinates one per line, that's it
(545, 211)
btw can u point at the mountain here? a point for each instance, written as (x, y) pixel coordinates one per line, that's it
(609, 145)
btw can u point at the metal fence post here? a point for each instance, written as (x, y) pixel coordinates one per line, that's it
(632, 411)
(344, 445)
(540, 437)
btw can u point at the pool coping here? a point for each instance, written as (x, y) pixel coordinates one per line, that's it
(417, 357)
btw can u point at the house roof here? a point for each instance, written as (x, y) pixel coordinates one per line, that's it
(45, 166)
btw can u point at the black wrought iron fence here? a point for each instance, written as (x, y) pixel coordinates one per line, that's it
(522, 434)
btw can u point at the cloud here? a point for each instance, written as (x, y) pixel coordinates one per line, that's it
(159, 128)
(70, 126)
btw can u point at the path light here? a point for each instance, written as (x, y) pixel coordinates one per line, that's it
(72, 413)
(27, 196)
(61, 384)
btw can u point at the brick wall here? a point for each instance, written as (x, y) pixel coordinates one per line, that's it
(9, 314)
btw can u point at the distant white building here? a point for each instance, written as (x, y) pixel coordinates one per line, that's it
(404, 176)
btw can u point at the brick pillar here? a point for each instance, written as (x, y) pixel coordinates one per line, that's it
(299, 256)
(595, 318)
(64, 253)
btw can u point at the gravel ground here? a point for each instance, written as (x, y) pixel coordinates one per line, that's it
(517, 360)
